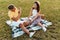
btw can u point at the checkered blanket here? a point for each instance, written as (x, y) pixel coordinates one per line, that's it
(16, 31)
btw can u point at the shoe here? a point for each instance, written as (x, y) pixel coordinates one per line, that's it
(45, 25)
(31, 34)
(44, 29)
(49, 23)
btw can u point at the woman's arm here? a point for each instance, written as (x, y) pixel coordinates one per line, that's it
(38, 14)
(30, 13)
(42, 15)
(35, 17)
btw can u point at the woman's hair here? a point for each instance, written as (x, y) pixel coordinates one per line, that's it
(38, 8)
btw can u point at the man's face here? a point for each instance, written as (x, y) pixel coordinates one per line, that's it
(13, 9)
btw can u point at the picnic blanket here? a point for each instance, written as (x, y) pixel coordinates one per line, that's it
(16, 31)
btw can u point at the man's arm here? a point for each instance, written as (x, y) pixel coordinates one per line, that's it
(14, 19)
(18, 17)
(19, 13)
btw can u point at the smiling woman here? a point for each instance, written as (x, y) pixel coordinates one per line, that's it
(51, 9)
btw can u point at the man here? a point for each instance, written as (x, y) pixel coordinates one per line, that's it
(14, 15)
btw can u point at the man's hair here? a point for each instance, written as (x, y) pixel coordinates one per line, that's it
(10, 7)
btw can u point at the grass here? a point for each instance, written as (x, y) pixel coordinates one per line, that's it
(51, 9)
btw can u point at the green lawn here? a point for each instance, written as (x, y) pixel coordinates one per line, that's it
(51, 9)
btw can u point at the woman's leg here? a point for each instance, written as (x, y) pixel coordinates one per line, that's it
(40, 24)
(43, 27)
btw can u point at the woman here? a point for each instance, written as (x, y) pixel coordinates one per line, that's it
(35, 16)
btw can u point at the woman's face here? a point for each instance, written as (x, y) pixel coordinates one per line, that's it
(35, 6)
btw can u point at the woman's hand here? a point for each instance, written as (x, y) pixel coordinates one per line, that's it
(31, 21)
(42, 16)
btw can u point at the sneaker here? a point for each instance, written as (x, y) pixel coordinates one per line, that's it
(44, 29)
(45, 25)
(49, 23)
(31, 34)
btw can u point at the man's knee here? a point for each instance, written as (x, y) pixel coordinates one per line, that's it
(20, 25)
(26, 23)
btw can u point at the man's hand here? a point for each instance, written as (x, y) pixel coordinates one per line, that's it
(14, 19)
(31, 21)
(19, 10)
